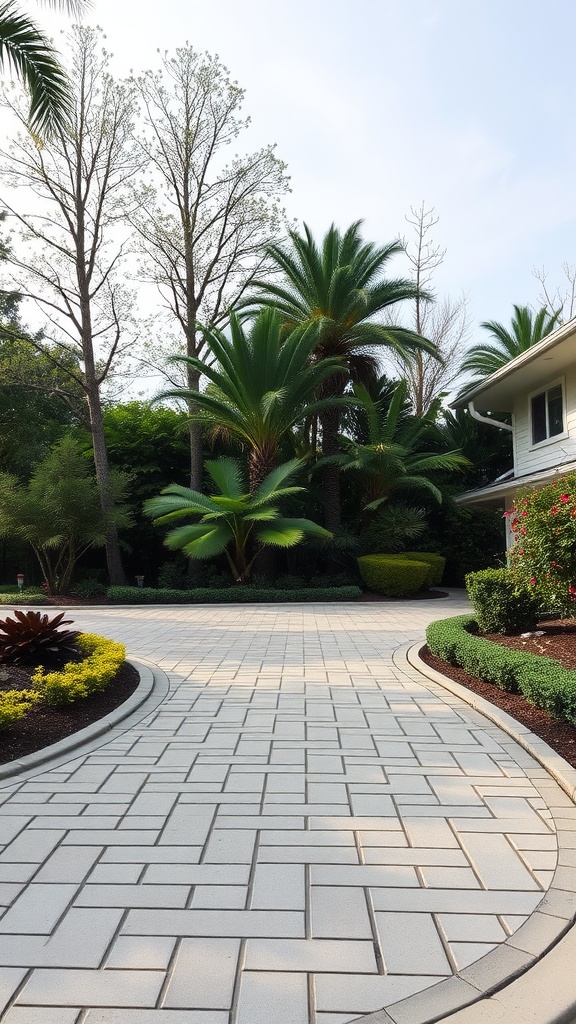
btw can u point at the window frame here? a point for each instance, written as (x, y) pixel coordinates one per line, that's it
(543, 390)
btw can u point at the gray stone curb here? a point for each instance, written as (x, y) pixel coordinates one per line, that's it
(529, 978)
(151, 690)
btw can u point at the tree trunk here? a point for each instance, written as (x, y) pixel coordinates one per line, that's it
(329, 419)
(113, 555)
(91, 380)
(260, 464)
(193, 384)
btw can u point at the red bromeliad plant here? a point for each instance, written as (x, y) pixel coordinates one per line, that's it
(543, 522)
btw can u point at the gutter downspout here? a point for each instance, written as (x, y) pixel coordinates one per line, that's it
(486, 419)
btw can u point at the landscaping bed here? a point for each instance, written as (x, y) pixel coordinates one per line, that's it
(44, 724)
(558, 642)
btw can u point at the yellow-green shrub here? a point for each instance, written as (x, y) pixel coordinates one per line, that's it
(393, 575)
(435, 561)
(14, 704)
(102, 661)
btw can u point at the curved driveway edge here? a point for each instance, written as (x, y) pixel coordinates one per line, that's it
(149, 693)
(529, 977)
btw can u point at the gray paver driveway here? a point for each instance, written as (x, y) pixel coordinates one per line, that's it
(305, 830)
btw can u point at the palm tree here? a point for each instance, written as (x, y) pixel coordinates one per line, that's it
(233, 521)
(25, 49)
(526, 330)
(261, 385)
(396, 460)
(338, 288)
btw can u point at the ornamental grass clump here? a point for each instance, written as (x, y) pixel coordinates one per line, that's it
(543, 555)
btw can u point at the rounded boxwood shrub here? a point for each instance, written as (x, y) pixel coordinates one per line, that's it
(435, 561)
(393, 575)
(502, 603)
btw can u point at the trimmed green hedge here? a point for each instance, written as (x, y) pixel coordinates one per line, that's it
(436, 562)
(16, 599)
(543, 681)
(230, 595)
(502, 604)
(393, 575)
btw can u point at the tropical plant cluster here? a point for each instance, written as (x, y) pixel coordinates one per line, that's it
(543, 681)
(301, 424)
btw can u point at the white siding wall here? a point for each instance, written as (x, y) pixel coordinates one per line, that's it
(529, 459)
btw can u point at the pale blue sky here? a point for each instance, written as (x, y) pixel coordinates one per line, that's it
(376, 105)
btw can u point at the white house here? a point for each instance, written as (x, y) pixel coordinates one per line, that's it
(539, 389)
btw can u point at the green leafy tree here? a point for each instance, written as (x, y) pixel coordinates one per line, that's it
(150, 444)
(233, 521)
(261, 385)
(58, 513)
(339, 287)
(27, 50)
(526, 329)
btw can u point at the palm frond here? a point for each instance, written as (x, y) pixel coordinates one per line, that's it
(25, 49)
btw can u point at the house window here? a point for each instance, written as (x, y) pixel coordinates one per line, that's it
(547, 409)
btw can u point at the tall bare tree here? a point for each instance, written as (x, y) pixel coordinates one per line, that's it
(442, 321)
(204, 219)
(561, 300)
(68, 199)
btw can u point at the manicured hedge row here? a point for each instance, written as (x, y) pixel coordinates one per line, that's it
(436, 562)
(543, 681)
(393, 575)
(230, 595)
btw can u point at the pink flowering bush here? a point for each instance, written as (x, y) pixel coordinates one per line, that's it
(544, 552)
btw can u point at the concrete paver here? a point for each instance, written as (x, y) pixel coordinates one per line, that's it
(303, 831)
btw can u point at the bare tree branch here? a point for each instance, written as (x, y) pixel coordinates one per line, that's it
(203, 220)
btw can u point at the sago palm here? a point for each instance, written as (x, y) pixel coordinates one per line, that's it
(338, 287)
(233, 521)
(27, 50)
(526, 329)
(261, 385)
(396, 460)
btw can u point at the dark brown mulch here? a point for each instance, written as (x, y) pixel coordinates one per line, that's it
(559, 735)
(558, 641)
(44, 724)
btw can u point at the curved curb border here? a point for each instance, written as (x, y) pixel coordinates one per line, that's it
(149, 693)
(529, 978)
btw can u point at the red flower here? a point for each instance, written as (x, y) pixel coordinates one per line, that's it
(564, 497)
(522, 529)
(533, 581)
(554, 511)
